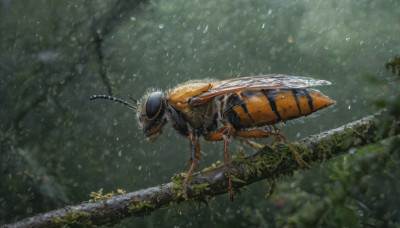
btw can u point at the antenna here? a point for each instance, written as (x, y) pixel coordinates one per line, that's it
(116, 100)
(136, 101)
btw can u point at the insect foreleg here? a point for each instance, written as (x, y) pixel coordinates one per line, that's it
(223, 134)
(228, 164)
(195, 150)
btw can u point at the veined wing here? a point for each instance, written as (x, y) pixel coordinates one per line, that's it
(272, 81)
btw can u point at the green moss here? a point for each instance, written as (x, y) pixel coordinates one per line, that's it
(324, 148)
(249, 167)
(142, 208)
(273, 162)
(97, 196)
(177, 189)
(329, 146)
(201, 189)
(80, 218)
(394, 65)
(268, 160)
(305, 153)
(213, 166)
(345, 139)
(235, 179)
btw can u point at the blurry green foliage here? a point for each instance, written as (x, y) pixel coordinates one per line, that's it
(394, 65)
(56, 147)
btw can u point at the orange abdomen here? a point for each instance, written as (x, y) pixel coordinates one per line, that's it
(263, 107)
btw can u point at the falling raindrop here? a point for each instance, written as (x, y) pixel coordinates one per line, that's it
(205, 29)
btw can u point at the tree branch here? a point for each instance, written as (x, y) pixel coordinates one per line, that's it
(268, 163)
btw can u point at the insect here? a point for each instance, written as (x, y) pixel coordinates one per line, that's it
(246, 107)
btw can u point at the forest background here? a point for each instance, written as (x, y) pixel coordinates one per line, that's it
(57, 146)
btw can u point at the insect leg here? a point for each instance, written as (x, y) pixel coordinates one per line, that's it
(252, 144)
(271, 189)
(223, 134)
(262, 134)
(228, 164)
(194, 146)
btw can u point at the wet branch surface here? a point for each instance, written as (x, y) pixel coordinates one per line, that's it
(267, 163)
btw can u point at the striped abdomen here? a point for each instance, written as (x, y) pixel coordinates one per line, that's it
(261, 107)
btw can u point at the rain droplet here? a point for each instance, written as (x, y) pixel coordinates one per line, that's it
(347, 38)
(290, 39)
(349, 107)
(139, 168)
(161, 26)
(263, 26)
(205, 29)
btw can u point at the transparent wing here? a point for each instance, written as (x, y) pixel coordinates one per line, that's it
(272, 81)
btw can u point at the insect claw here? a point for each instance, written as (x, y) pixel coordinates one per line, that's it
(303, 164)
(184, 194)
(271, 189)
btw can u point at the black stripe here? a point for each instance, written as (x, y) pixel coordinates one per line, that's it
(244, 106)
(250, 93)
(229, 114)
(232, 101)
(294, 92)
(309, 99)
(233, 118)
(270, 95)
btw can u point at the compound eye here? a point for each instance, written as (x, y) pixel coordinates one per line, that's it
(153, 105)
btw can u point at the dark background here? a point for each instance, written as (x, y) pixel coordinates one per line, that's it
(57, 146)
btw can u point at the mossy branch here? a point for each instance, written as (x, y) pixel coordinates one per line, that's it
(267, 163)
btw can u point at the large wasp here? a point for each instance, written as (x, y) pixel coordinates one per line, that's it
(246, 107)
